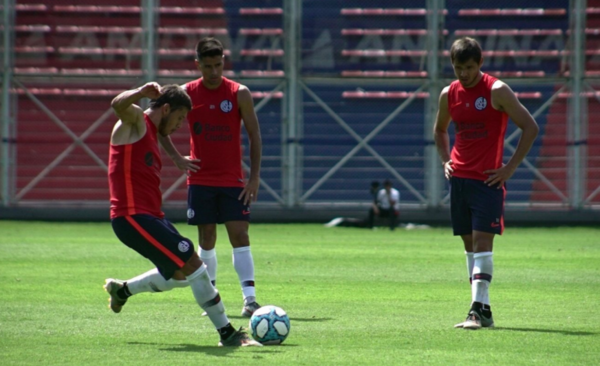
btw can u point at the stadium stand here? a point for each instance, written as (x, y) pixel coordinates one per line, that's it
(340, 38)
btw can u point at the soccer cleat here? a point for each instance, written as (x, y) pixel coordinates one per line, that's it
(249, 309)
(475, 320)
(115, 303)
(239, 339)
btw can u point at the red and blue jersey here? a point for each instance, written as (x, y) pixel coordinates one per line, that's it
(480, 129)
(215, 124)
(134, 176)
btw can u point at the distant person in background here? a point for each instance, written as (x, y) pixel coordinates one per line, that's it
(374, 190)
(386, 204)
(480, 106)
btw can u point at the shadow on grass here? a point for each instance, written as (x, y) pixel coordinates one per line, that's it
(210, 350)
(294, 319)
(556, 331)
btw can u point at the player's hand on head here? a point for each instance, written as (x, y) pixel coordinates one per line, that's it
(497, 177)
(187, 164)
(448, 169)
(151, 90)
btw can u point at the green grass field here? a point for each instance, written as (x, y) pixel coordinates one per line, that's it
(354, 297)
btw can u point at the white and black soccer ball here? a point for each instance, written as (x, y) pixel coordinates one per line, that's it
(270, 325)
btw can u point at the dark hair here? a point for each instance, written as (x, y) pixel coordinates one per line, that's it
(387, 183)
(208, 47)
(465, 49)
(173, 95)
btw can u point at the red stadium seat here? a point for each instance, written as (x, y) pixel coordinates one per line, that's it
(262, 74)
(261, 31)
(384, 74)
(512, 12)
(31, 7)
(96, 9)
(383, 53)
(508, 32)
(191, 10)
(276, 95)
(384, 32)
(261, 11)
(382, 11)
(517, 74)
(262, 53)
(382, 95)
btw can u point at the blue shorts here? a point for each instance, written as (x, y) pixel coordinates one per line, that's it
(155, 239)
(476, 206)
(215, 205)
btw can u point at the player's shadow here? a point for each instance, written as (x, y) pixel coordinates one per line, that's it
(555, 331)
(209, 350)
(293, 319)
(314, 319)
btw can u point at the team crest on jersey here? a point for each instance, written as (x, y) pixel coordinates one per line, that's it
(480, 103)
(190, 213)
(183, 246)
(226, 106)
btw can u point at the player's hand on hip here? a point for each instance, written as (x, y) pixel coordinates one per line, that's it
(448, 169)
(151, 90)
(497, 177)
(250, 192)
(188, 165)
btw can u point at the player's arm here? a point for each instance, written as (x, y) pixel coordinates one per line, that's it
(124, 104)
(183, 163)
(505, 100)
(440, 132)
(250, 192)
(131, 124)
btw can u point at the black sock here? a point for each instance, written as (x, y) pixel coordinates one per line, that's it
(486, 310)
(123, 292)
(226, 331)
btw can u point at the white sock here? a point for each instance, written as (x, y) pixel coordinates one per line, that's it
(152, 281)
(209, 257)
(483, 269)
(207, 297)
(244, 266)
(470, 263)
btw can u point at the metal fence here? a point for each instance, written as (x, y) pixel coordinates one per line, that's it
(345, 91)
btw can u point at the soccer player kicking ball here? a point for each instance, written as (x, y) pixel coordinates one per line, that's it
(135, 206)
(480, 106)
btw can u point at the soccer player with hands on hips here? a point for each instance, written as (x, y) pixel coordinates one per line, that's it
(480, 106)
(135, 206)
(217, 192)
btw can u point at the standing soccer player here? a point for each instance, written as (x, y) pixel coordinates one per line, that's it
(480, 106)
(217, 193)
(135, 206)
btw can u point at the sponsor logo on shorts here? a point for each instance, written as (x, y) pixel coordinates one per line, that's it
(226, 106)
(190, 213)
(480, 103)
(183, 246)
(246, 212)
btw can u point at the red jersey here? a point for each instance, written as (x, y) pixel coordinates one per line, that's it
(480, 129)
(134, 176)
(215, 124)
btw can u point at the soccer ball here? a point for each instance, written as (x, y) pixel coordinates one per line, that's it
(270, 325)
